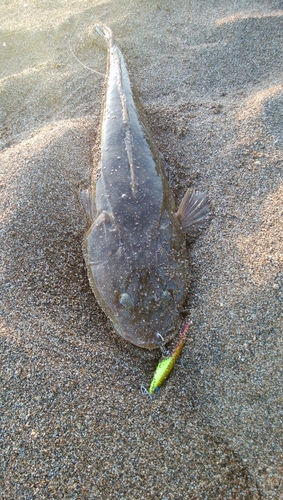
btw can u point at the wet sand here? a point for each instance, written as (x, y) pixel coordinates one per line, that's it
(74, 423)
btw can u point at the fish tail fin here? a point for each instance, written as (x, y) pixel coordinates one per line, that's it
(193, 212)
(105, 33)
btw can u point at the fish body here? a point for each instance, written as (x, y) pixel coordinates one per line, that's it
(135, 247)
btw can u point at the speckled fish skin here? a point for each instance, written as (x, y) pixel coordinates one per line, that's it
(135, 248)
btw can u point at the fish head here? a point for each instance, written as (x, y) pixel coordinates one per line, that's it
(145, 312)
(139, 286)
(142, 308)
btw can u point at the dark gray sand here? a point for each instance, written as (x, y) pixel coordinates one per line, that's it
(74, 423)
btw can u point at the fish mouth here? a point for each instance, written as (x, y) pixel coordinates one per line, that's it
(145, 340)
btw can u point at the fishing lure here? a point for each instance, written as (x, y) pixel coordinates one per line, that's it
(166, 365)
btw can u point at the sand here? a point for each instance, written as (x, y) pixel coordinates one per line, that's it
(74, 423)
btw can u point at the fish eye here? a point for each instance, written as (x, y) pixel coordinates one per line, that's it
(166, 296)
(126, 301)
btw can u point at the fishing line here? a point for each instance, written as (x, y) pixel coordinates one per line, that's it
(81, 63)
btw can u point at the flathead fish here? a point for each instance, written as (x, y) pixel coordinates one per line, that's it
(135, 247)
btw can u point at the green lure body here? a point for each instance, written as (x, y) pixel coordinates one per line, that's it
(166, 365)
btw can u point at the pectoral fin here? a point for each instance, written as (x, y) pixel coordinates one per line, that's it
(194, 212)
